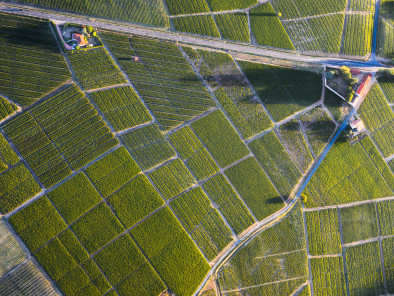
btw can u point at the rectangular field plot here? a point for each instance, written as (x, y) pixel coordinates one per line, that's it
(358, 34)
(277, 163)
(163, 78)
(219, 137)
(232, 91)
(388, 260)
(74, 197)
(31, 63)
(17, 185)
(220, 5)
(276, 254)
(284, 91)
(328, 276)
(197, 24)
(385, 210)
(293, 139)
(172, 253)
(187, 6)
(60, 134)
(112, 171)
(229, 204)
(193, 153)
(172, 179)
(148, 146)
(387, 86)
(379, 119)
(323, 232)
(127, 268)
(202, 222)
(121, 107)
(27, 279)
(94, 68)
(255, 188)
(233, 26)
(386, 38)
(7, 156)
(135, 200)
(364, 270)
(362, 5)
(6, 108)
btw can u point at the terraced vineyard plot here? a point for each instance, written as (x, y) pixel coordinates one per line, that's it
(31, 63)
(233, 26)
(318, 127)
(172, 179)
(135, 200)
(220, 138)
(186, 6)
(113, 171)
(229, 204)
(385, 211)
(26, 280)
(17, 185)
(59, 135)
(379, 119)
(323, 232)
(121, 107)
(148, 146)
(293, 139)
(7, 156)
(267, 28)
(11, 253)
(387, 246)
(284, 91)
(276, 254)
(198, 24)
(163, 78)
(255, 188)
(7, 108)
(387, 86)
(74, 197)
(127, 268)
(319, 34)
(364, 269)
(171, 252)
(362, 5)
(234, 95)
(358, 34)
(202, 222)
(193, 153)
(218, 5)
(328, 276)
(105, 72)
(276, 162)
(301, 8)
(146, 11)
(345, 175)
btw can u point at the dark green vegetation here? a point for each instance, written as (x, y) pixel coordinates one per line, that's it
(199, 24)
(186, 6)
(121, 107)
(104, 73)
(334, 104)
(31, 63)
(6, 108)
(233, 26)
(255, 188)
(144, 11)
(283, 90)
(163, 78)
(218, 5)
(7, 155)
(219, 137)
(60, 134)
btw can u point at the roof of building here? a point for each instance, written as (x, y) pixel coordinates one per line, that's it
(364, 83)
(79, 38)
(358, 125)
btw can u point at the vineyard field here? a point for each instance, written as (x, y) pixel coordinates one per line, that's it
(362, 5)
(387, 86)
(7, 156)
(7, 108)
(233, 26)
(385, 211)
(197, 24)
(387, 246)
(358, 34)
(328, 276)
(385, 41)
(219, 5)
(176, 7)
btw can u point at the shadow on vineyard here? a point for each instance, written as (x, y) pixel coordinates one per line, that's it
(387, 7)
(276, 200)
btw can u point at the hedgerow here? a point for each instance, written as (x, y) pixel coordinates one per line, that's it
(74, 197)
(193, 153)
(267, 28)
(171, 252)
(255, 188)
(135, 200)
(148, 146)
(228, 202)
(17, 185)
(97, 277)
(220, 138)
(323, 232)
(172, 178)
(122, 107)
(97, 227)
(37, 223)
(6, 108)
(385, 210)
(233, 26)
(218, 5)
(73, 246)
(358, 34)
(112, 171)
(203, 222)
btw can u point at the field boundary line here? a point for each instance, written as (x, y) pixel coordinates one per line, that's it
(107, 87)
(279, 254)
(307, 249)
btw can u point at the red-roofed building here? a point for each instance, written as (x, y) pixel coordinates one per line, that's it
(79, 38)
(355, 71)
(362, 88)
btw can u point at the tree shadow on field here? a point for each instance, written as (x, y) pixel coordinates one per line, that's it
(32, 35)
(387, 7)
(275, 200)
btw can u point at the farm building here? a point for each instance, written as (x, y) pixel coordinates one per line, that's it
(363, 87)
(79, 38)
(357, 127)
